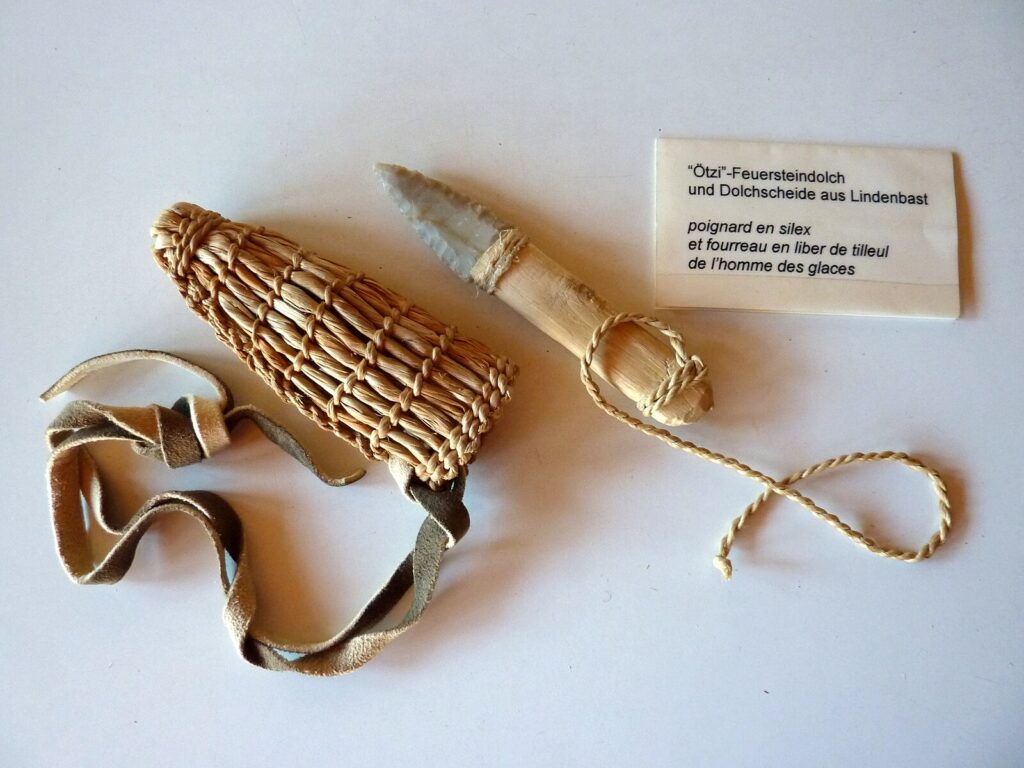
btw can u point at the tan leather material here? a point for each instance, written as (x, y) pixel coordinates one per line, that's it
(193, 429)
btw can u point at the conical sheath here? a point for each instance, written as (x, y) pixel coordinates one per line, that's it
(354, 356)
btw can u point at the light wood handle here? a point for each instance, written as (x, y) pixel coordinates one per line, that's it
(630, 359)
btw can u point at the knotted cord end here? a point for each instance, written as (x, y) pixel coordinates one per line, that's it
(724, 564)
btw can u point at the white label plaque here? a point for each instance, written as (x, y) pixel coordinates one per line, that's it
(806, 228)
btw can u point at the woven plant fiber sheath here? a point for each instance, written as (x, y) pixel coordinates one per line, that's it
(354, 356)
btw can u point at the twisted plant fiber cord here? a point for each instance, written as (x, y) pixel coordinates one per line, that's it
(192, 430)
(692, 369)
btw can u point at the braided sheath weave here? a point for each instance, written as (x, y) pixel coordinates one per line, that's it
(355, 357)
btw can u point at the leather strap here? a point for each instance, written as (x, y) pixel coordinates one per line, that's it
(194, 429)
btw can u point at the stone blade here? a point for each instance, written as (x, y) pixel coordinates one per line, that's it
(456, 228)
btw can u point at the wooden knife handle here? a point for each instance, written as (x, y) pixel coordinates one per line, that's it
(630, 359)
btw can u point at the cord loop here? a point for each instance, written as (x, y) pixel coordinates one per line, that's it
(778, 487)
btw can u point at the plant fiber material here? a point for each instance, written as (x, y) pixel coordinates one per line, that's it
(354, 356)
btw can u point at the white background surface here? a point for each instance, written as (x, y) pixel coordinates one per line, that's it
(581, 622)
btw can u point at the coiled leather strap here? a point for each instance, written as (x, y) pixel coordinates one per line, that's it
(191, 430)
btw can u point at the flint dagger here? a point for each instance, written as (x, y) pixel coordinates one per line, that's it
(484, 250)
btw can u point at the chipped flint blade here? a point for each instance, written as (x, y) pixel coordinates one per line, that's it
(457, 229)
